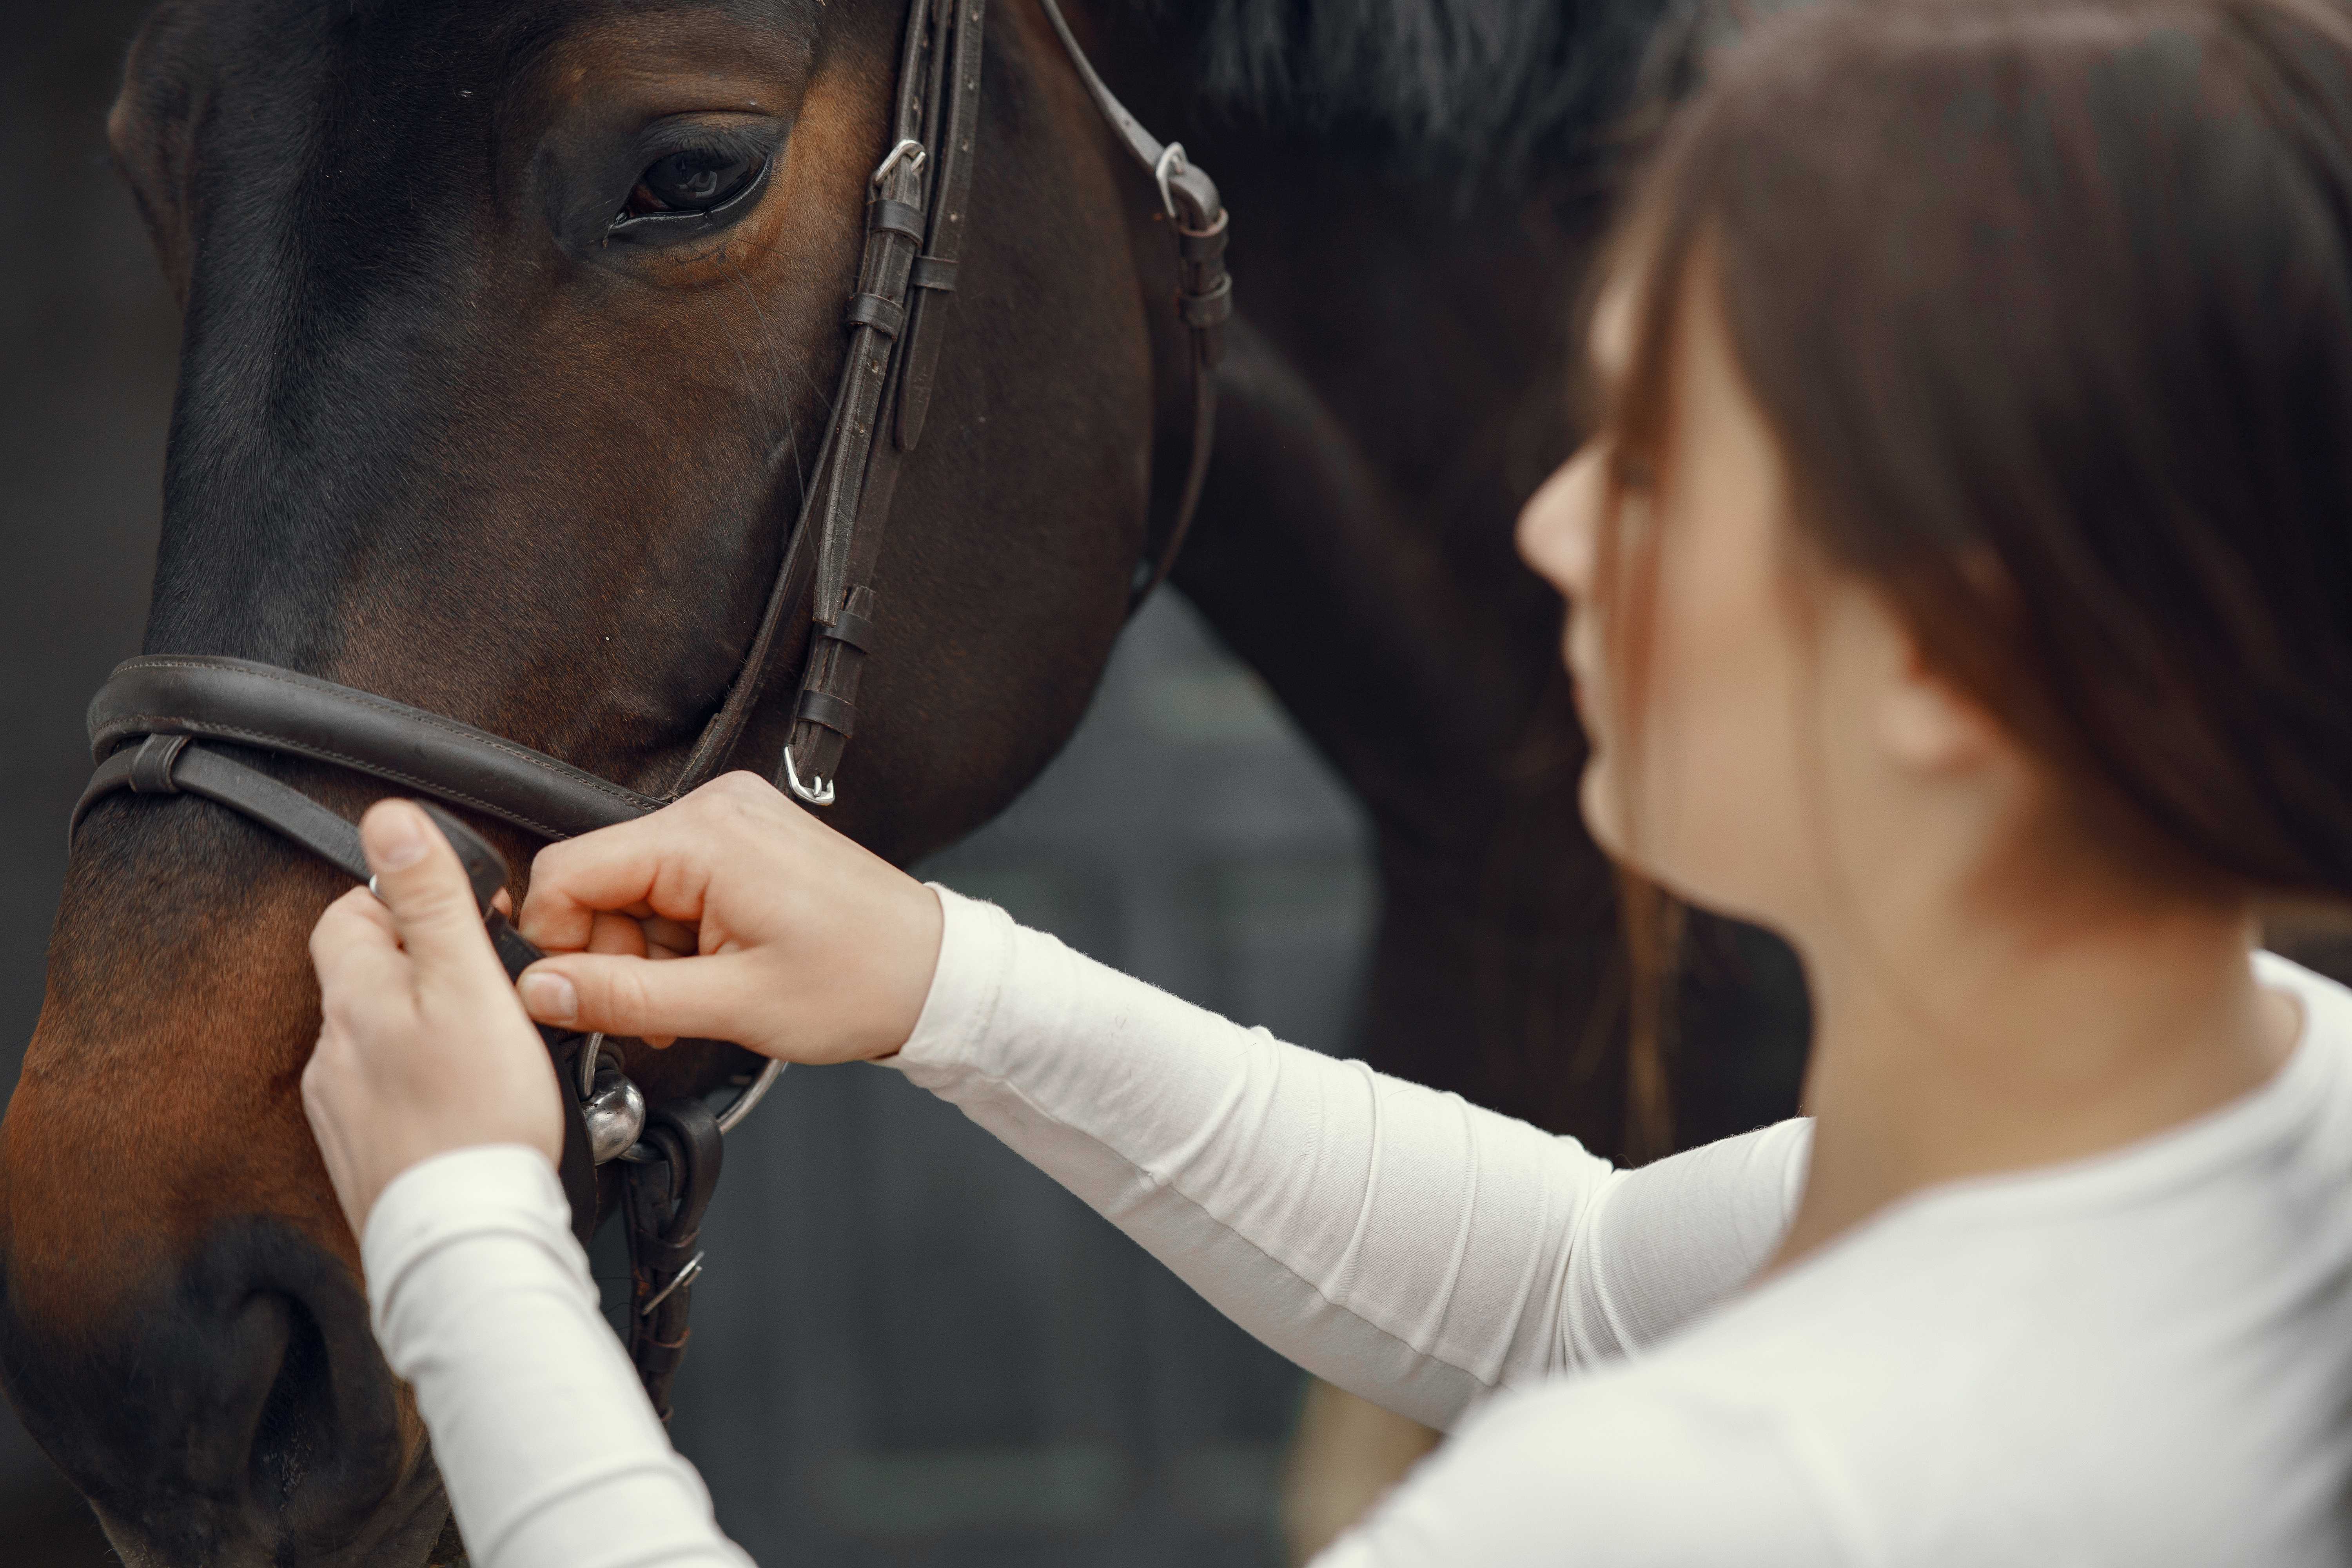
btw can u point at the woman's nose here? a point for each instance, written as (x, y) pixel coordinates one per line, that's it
(1559, 528)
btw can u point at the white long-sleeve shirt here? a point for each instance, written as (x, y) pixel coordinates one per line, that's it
(2141, 1359)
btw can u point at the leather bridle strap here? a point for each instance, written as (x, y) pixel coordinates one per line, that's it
(210, 700)
(246, 703)
(1205, 298)
(174, 725)
(172, 765)
(914, 231)
(177, 763)
(920, 197)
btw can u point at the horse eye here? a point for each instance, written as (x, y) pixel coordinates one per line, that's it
(695, 180)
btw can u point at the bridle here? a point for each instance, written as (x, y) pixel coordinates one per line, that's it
(179, 723)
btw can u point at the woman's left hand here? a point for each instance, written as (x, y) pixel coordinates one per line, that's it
(423, 1047)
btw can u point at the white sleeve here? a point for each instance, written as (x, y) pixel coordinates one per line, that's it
(551, 1454)
(1613, 1472)
(1400, 1243)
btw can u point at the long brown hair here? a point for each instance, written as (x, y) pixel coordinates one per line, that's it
(2050, 305)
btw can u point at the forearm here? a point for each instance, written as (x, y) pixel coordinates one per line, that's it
(1401, 1243)
(550, 1452)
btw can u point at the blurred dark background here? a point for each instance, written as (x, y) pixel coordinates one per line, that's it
(88, 336)
(911, 1349)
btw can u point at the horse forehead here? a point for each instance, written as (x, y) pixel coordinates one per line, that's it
(345, 150)
(364, 70)
(348, 206)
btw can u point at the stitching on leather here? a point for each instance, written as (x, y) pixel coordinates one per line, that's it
(452, 728)
(401, 711)
(455, 727)
(169, 724)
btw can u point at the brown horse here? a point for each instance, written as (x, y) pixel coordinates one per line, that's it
(436, 439)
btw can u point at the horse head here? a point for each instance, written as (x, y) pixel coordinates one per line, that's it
(513, 334)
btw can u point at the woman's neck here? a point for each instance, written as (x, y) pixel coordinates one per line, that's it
(1959, 1048)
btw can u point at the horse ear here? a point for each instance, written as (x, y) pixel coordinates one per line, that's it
(149, 132)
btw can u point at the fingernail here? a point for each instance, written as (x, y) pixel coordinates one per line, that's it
(550, 997)
(396, 838)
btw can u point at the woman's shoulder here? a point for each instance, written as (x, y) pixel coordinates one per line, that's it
(1906, 1412)
(2140, 1356)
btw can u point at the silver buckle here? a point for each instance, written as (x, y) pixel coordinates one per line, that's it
(1171, 164)
(685, 1276)
(909, 152)
(816, 792)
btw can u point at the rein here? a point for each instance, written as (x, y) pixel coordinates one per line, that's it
(170, 725)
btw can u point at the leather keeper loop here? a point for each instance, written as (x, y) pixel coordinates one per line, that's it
(835, 715)
(933, 272)
(151, 765)
(1207, 309)
(850, 627)
(887, 217)
(1203, 244)
(875, 312)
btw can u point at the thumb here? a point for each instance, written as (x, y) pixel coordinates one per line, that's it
(622, 994)
(420, 880)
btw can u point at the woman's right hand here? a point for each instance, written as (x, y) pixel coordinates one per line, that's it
(733, 915)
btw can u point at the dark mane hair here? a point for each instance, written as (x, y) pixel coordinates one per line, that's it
(1482, 88)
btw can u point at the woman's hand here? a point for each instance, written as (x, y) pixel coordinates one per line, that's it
(733, 915)
(423, 1047)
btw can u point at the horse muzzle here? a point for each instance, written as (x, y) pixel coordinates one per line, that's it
(238, 1414)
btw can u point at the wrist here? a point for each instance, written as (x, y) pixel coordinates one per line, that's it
(925, 931)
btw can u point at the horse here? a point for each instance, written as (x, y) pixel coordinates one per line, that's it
(440, 438)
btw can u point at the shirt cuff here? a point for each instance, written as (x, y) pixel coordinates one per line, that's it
(976, 942)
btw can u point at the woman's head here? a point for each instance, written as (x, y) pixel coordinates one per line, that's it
(1974, 450)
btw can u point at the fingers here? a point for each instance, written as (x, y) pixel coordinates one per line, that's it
(660, 866)
(424, 886)
(617, 935)
(354, 946)
(667, 939)
(611, 868)
(622, 994)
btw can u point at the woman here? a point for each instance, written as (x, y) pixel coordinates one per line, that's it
(1961, 576)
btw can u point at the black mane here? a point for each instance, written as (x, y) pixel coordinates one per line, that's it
(1495, 87)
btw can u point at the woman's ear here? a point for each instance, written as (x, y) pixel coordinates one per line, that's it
(150, 132)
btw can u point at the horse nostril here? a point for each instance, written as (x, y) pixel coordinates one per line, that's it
(317, 1443)
(296, 1431)
(241, 1413)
